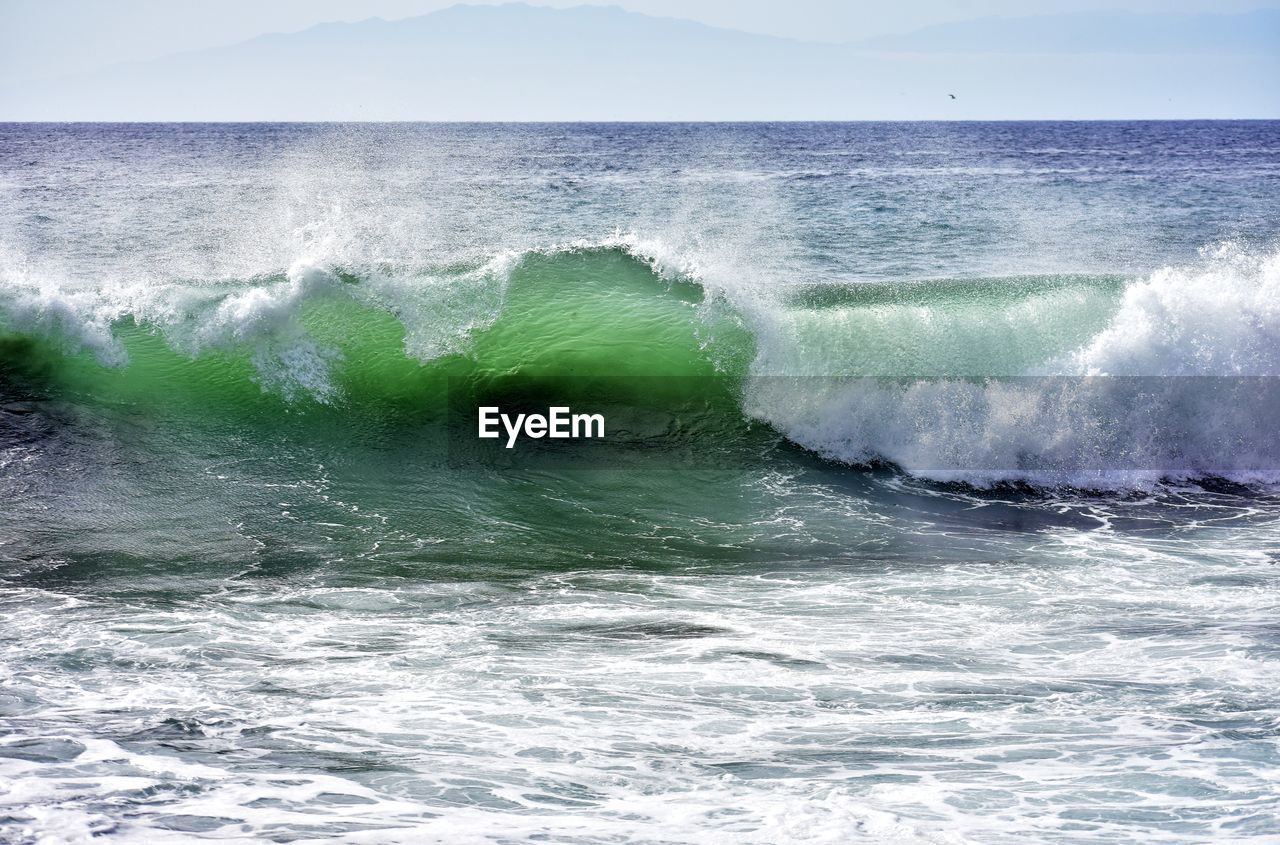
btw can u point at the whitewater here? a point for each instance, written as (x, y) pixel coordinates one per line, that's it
(939, 503)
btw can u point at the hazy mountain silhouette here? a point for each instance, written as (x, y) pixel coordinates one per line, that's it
(519, 62)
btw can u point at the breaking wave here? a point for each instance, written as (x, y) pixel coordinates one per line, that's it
(1095, 380)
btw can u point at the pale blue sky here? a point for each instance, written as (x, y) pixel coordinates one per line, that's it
(43, 38)
(1056, 59)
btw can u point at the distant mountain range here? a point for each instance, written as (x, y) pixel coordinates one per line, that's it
(520, 62)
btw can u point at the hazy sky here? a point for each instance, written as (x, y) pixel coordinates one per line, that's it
(43, 38)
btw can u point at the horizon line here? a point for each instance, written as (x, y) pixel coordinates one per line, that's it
(639, 122)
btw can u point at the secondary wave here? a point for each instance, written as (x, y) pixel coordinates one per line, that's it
(1077, 382)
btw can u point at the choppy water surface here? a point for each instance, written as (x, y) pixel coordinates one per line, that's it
(928, 587)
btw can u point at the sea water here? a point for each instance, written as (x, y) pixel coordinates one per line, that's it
(966, 529)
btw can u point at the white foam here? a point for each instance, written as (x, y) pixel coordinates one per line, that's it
(1016, 683)
(35, 304)
(1218, 318)
(1119, 411)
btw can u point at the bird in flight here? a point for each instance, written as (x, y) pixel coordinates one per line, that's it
(952, 96)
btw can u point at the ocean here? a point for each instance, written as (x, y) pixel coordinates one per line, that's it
(938, 501)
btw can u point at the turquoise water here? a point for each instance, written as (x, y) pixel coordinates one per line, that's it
(939, 504)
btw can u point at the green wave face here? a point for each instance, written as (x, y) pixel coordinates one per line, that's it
(362, 472)
(981, 327)
(596, 328)
(564, 320)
